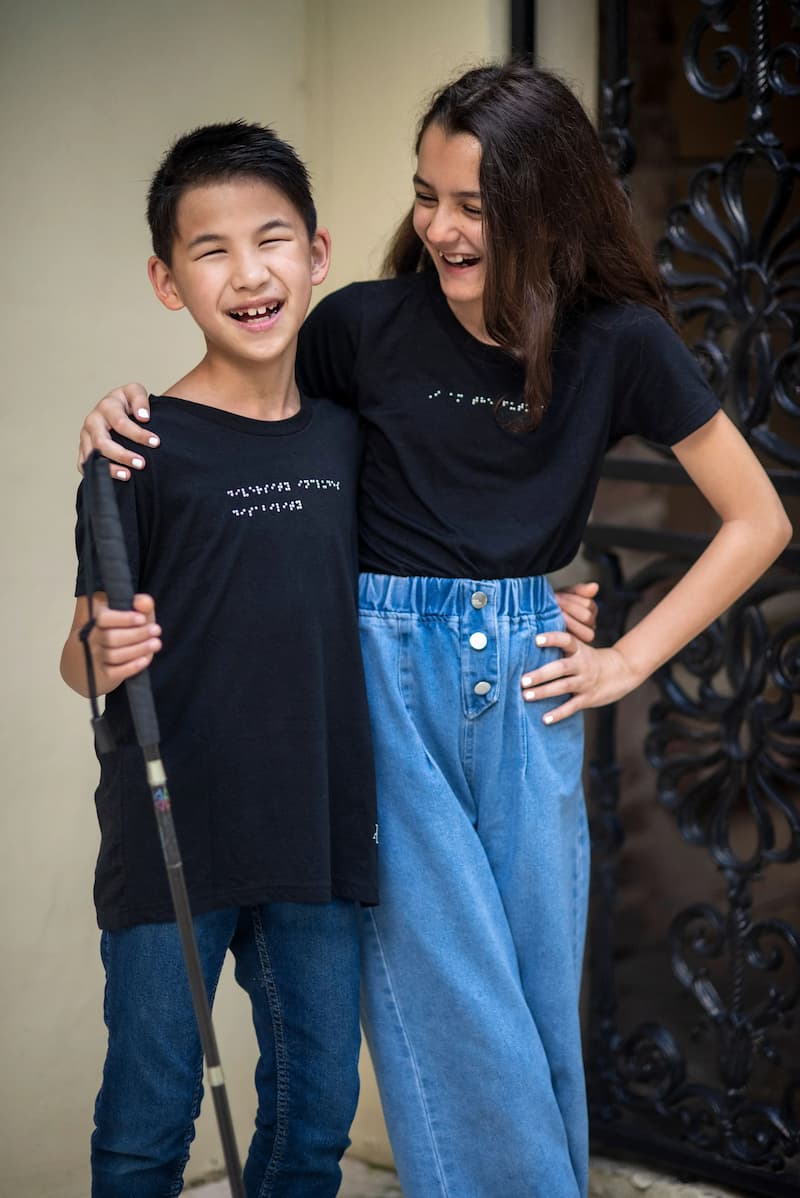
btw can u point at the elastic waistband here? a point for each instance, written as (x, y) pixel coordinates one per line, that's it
(450, 596)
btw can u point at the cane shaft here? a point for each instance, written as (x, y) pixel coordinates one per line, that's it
(112, 557)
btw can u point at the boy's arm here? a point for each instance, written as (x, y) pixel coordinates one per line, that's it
(122, 643)
(579, 609)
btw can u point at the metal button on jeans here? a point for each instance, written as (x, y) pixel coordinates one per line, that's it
(479, 599)
(482, 688)
(479, 640)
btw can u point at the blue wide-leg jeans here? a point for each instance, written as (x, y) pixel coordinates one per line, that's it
(299, 964)
(471, 963)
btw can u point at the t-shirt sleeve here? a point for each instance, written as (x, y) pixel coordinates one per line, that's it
(661, 393)
(133, 506)
(328, 347)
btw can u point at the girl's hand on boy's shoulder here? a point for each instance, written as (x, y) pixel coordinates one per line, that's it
(114, 412)
(591, 677)
(579, 609)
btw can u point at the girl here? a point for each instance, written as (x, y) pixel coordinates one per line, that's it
(523, 331)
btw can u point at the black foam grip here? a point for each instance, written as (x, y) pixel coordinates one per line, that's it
(115, 571)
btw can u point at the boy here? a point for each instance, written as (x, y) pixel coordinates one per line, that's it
(244, 533)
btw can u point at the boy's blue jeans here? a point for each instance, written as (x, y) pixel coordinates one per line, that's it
(472, 961)
(299, 963)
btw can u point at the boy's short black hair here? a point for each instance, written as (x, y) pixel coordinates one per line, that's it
(216, 154)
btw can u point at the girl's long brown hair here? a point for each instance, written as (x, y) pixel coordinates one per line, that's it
(557, 225)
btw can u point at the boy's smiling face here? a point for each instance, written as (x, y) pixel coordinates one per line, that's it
(243, 265)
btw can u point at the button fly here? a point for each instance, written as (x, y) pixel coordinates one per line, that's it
(479, 600)
(479, 640)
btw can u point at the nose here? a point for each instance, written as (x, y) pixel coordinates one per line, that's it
(442, 228)
(250, 271)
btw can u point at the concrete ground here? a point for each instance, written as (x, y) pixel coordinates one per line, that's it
(358, 1181)
(609, 1179)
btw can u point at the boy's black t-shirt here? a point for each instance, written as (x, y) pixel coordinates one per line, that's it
(245, 533)
(446, 490)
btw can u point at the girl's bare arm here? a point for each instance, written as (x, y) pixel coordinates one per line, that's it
(754, 530)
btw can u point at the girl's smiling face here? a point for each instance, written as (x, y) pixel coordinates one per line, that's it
(448, 220)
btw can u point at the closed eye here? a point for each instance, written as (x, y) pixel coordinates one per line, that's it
(422, 198)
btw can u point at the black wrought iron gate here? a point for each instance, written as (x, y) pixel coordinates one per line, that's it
(694, 982)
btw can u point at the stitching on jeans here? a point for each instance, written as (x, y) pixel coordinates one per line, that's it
(177, 1185)
(197, 1096)
(529, 626)
(579, 888)
(415, 1068)
(281, 1058)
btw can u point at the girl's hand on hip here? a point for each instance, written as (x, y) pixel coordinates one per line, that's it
(591, 677)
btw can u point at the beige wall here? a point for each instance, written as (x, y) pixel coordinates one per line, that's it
(566, 42)
(371, 68)
(91, 92)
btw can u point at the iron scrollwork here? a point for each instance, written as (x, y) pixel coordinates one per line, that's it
(615, 95)
(716, 1093)
(745, 289)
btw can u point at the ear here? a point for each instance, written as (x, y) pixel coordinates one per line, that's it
(320, 255)
(163, 283)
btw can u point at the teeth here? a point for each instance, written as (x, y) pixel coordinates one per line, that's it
(262, 311)
(457, 259)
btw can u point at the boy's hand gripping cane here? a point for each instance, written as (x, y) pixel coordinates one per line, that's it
(112, 558)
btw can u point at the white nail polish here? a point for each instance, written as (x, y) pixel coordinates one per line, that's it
(142, 413)
(541, 640)
(530, 694)
(121, 474)
(137, 463)
(526, 681)
(548, 719)
(153, 441)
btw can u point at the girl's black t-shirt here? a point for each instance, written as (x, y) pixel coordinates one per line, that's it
(447, 489)
(245, 533)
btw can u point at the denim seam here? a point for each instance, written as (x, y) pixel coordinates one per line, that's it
(281, 1059)
(177, 1184)
(428, 617)
(577, 892)
(197, 1097)
(412, 1057)
(468, 756)
(529, 628)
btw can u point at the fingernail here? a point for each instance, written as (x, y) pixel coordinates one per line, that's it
(526, 681)
(548, 719)
(529, 694)
(541, 640)
(123, 474)
(153, 441)
(142, 413)
(137, 463)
